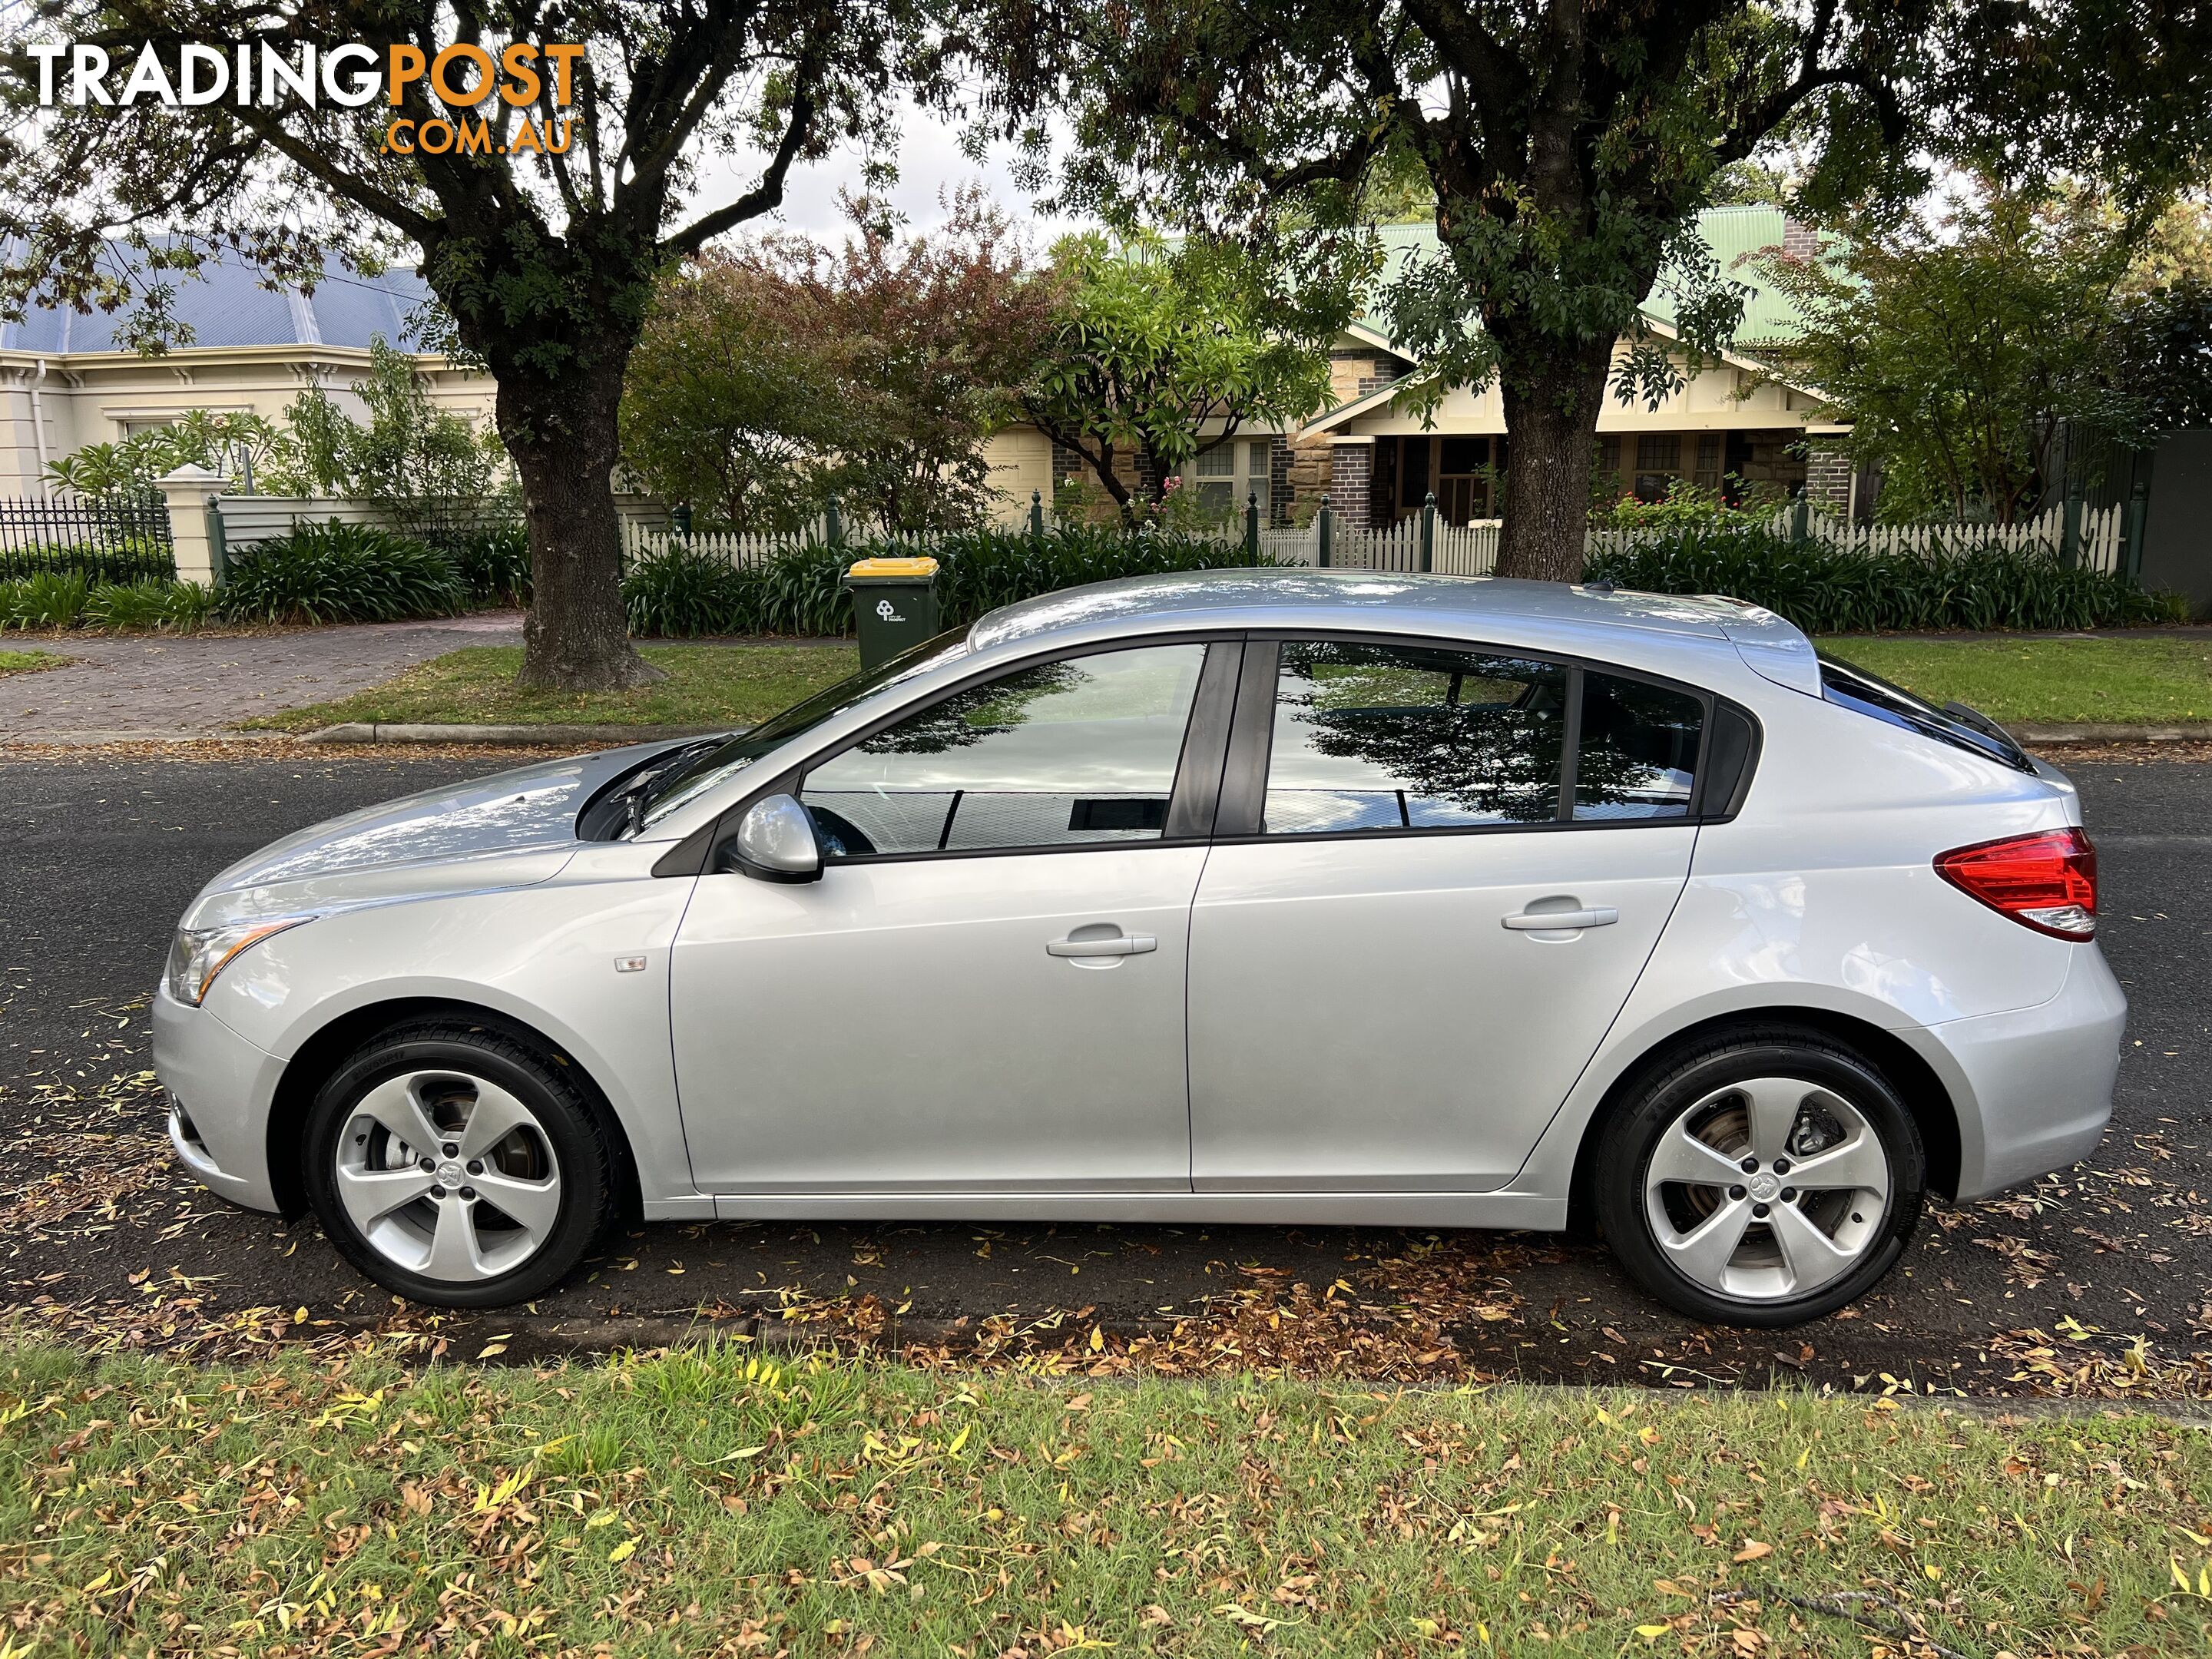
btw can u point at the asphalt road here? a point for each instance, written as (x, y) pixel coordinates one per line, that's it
(2093, 1278)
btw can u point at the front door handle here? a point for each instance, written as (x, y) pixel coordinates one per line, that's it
(1124, 944)
(1545, 921)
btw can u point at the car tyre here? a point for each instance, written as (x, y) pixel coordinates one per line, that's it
(513, 1187)
(1694, 1188)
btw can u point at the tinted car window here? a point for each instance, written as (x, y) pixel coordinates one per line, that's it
(1375, 736)
(1636, 757)
(1079, 750)
(1851, 687)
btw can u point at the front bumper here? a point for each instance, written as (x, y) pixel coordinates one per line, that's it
(2034, 1086)
(219, 1086)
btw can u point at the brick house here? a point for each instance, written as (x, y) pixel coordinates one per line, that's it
(1375, 463)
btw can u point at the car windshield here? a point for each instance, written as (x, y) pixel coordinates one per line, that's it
(1955, 723)
(726, 759)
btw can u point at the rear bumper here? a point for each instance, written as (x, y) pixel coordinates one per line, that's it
(219, 1086)
(2034, 1087)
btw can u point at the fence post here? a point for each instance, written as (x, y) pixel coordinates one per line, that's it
(1326, 522)
(2131, 549)
(189, 493)
(680, 516)
(1429, 533)
(218, 543)
(833, 520)
(2069, 531)
(1036, 514)
(1801, 518)
(1252, 528)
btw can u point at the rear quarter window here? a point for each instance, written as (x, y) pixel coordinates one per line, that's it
(1851, 687)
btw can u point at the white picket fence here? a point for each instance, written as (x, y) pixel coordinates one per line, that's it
(1471, 550)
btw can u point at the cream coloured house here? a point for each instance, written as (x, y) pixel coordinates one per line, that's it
(66, 381)
(1376, 463)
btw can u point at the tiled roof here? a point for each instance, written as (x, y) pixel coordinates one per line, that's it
(1737, 236)
(227, 305)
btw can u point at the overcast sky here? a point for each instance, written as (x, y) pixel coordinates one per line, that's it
(930, 163)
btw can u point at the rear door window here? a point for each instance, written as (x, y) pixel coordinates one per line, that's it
(1636, 753)
(1390, 737)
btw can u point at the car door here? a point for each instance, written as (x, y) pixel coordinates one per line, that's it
(1429, 899)
(984, 992)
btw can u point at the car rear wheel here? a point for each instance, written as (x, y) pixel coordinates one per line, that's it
(1765, 1180)
(457, 1165)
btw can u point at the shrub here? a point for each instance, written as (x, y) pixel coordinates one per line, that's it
(336, 572)
(124, 558)
(52, 598)
(679, 591)
(172, 607)
(1826, 590)
(494, 562)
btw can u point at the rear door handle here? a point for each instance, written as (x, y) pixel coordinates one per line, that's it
(1545, 921)
(1128, 945)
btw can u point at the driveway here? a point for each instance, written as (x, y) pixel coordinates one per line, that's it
(2097, 1282)
(158, 688)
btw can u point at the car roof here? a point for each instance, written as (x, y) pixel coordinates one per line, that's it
(1306, 598)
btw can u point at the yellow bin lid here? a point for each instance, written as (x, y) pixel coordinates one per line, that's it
(911, 570)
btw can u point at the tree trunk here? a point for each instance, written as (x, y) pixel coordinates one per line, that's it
(1552, 396)
(576, 635)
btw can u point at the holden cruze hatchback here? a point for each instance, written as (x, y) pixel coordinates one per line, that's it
(1242, 896)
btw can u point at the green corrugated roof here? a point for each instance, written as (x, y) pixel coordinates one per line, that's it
(1737, 236)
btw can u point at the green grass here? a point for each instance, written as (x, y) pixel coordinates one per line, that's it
(701, 1501)
(2049, 681)
(28, 662)
(707, 686)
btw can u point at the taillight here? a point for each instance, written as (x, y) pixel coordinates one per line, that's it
(2047, 881)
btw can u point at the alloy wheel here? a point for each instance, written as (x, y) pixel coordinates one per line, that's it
(448, 1176)
(1767, 1189)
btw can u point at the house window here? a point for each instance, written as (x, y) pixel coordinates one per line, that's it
(1463, 481)
(1227, 475)
(1658, 464)
(1709, 459)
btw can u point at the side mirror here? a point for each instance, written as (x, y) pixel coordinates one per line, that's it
(775, 841)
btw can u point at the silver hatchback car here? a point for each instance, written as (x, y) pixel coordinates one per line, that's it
(1242, 896)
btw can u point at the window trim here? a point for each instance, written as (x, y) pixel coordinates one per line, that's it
(1244, 784)
(1198, 763)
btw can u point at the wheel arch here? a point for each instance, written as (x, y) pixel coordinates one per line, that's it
(1934, 1113)
(315, 1060)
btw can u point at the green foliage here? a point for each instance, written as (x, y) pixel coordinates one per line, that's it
(1957, 342)
(431, 469)
(70, 598)
(129, 557)
(494, 561)
(1688, 505)
(774, 374)
(1827, 591)
(2159, 356)
(337, 572)
(1159, 352)
(237, 444)
(678, 592)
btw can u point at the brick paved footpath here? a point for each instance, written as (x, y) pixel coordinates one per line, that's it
(134, 688)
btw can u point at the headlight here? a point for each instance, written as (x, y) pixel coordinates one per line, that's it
(197, 955)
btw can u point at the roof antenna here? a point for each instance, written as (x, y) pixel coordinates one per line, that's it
(1600, 586)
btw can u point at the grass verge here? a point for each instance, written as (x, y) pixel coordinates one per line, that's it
(2156, 681)
(28, 662)
(702, 1501)
(707, 686)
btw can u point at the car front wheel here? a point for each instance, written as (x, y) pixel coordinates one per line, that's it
(457, 1165)
(1767, 1179)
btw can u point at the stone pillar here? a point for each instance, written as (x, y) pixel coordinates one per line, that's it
(187, 492)
(1828, 476)
(1350, 468)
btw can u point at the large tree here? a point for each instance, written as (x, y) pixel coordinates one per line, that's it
(1157, 352)
(1960, 342)
(544, 259)
(1568, 144)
